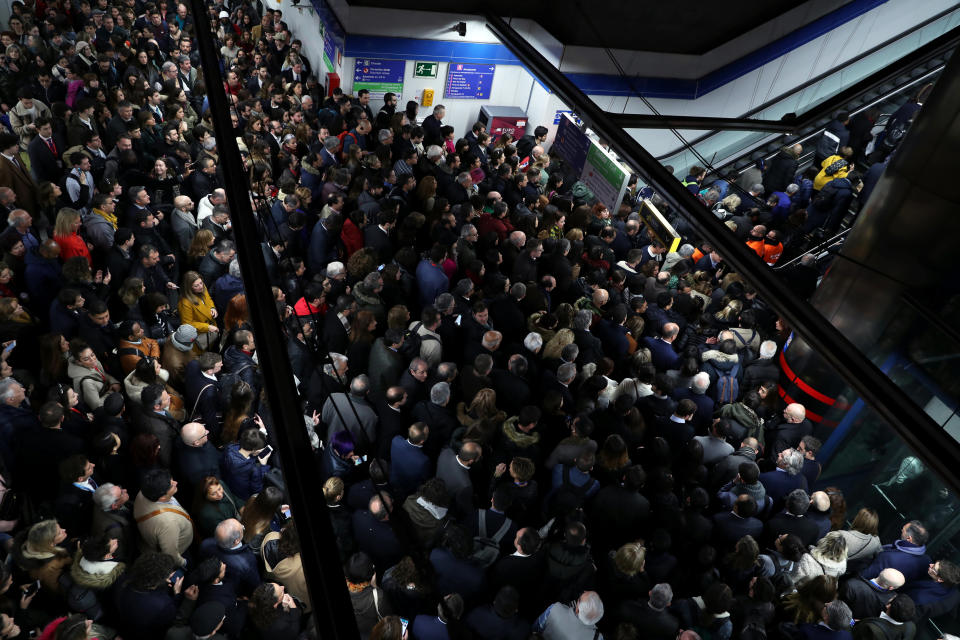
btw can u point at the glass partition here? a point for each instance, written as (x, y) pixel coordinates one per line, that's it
(720, 147)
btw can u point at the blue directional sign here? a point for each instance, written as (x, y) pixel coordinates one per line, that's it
(469, 81)
(378, 76)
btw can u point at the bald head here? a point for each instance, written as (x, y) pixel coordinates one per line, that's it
(795, 413)
(470, 453)
(600, 297)
(193, 434)
(670, 331)
(820, 501)
(229, 533)
(890, 579)
(183, 203)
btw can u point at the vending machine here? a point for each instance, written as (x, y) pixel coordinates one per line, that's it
(500, 120)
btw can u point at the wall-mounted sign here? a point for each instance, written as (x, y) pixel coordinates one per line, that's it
(469, 81)
(378, 76)
(425, 69)
(594, 167)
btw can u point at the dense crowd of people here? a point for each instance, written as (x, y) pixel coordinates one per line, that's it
(530, 417)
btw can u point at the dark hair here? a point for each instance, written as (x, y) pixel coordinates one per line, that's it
(359, 568)
(155, 483)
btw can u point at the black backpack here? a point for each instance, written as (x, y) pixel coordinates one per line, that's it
(227, 380)
(486, 549)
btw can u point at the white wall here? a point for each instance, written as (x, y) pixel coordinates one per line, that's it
(796, 67)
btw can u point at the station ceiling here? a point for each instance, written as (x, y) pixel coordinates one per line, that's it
(693, 27)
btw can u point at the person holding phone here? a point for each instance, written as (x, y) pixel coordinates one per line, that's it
(339, 457)
(245, 463)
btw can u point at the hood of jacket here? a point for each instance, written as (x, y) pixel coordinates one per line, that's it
(720, 359)
(742, 414)
(909, 547)
(34, 258)
(363, 297)
(518, 437)
(830, 567)
(90, 580)
(308, 168)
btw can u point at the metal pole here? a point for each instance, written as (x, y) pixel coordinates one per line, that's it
(318, 552)
(934, 445)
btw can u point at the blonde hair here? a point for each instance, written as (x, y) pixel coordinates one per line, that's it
(484, 404)
(200, 245)
(187, 292)
(65, 219)
(630, 558)
(832, 546)
(332, 488)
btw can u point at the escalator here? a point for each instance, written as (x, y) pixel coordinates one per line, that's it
(882, 78)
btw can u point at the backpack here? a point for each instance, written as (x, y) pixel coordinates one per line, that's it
(828, 144)
(486, 549)
(835, 167)
(227, 380)
(341, 137)
(104, 385)
(894, 135)
(569, 496)
(727, 389)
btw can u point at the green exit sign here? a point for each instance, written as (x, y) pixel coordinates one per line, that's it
(425, 69)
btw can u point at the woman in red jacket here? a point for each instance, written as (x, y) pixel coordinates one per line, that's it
(65, 233)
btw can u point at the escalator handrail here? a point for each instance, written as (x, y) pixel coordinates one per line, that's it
(815, 133)
(826, 244)
(911, 60)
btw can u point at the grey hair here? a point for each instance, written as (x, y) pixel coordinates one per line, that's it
(444, 301)
(565, 245)
(103, 496)
(228, 533)
(234, 268)
(589, 608)
(360, 385)
(167, 67)
(16, 215)
(518, 290)
(570, 352)
(792, 189)
(440, 393)
(462, 177)
(434, 151)
(371, 280)
(330, 143)
(7, 388)
(533, 341)
(518, 238)
(331, 367)
(566, 371)
(700, 382)
(839, 615)
(757, 189)
(447, 370)
(793, 461)
(768, 348)
(661, 595)
(384, 135)
(582, 320)
(686, 250)
(437, 109)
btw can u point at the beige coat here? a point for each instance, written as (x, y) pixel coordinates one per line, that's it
(288, 572)
(170, 531)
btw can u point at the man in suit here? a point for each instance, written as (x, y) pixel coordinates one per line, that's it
(454, 469)
(386, 363)
(295, 73)
(431, 126)
(409, 465)
(393, 419)
(651, 618)
(794, 520)
(785, 478)
(155, 419)
(336, 325)
(13, 172)
(732, 525)
(228, 546)
(867, 597)
(908, 554)
(377, 237)
(662, 354)
(45, 152)
(789, 432)
(835, 624)
(522, 569)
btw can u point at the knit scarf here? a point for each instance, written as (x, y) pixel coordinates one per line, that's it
(109, 217)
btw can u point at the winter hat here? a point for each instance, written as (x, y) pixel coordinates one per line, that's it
(184, 338)
(206, 618)
(113, 404)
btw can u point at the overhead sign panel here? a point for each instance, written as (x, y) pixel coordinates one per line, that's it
(379, 76)
(469, 81)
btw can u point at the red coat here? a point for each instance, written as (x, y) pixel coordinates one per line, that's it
(72, 246)
(488, 223)
(351, 236)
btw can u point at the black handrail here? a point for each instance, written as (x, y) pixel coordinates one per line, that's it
(318, 544)
(909, 61)
(934, 445)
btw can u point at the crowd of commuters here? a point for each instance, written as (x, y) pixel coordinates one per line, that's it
(530, 418)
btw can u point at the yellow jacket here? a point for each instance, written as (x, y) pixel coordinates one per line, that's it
(199, 315)
(822, 178)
